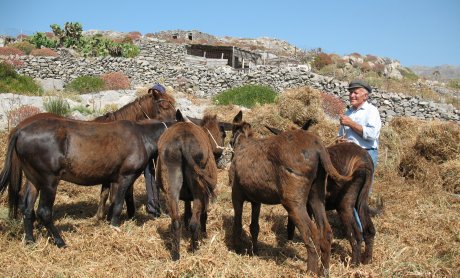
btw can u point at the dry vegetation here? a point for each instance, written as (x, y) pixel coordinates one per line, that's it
(418, 234)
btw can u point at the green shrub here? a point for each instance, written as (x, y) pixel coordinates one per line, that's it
(247, 96)
(83, 110)
(24, 46)
(40, 39)
(85, 84)
(454, 84)
(12, 82)
(7, 70)
(408, 74)
(57, 105)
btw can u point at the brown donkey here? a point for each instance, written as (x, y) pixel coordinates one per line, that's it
(349, 199)
(287, 169)
(187, 171)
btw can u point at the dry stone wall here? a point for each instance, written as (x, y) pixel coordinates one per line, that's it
(166, 62)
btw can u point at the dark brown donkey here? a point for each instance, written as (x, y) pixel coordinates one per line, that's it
(283, 169)
(349, 199)
(48, 150)
(153, 105)
(187, 171)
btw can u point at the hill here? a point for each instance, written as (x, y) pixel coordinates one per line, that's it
(446, 72)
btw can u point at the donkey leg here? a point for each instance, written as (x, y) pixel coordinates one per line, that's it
(237, 202)
(352, 233)
(45, 212)
(129, 200)
(29, 199)
(173, 207)
(308, 232)
(369, 235)
(290, 227)
(121, 188)
(195, 223)
(187, 213)
(105, 190)
(325, 239)
(254, 227)
(204, 219)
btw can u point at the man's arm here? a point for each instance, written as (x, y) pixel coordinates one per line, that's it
(347, 121)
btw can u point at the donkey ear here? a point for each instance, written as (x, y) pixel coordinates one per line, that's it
(222, 131)
(154, 93)
(273, 130)
(238, 118)
(247, 130)
(179, 116)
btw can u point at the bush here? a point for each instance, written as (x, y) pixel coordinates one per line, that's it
(321, 61)
(24, 46)
(15, 63)
(247, 96)
(408, 74)
(44, 52)
(7, 70)
(115, 81)
(12, 82)
(10, 51)
(454, 84)
(19, 114)
(40, 39)
(58, 106)
(85, 84)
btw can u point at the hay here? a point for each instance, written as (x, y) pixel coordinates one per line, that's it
(407, 129)
(417, 235)
(439, 141)
(450, 173)
(389, 149)
(416, 167)
(267, 114)
(301, 104)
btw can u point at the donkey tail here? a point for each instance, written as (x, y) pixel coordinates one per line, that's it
(330, 169)
(362, 204)
(12, 175)
(206, 182)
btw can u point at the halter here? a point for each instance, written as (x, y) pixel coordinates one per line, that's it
(215, 142)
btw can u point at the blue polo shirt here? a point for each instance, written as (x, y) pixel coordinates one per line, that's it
(369, 118)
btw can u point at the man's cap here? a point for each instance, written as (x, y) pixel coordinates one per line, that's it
(359, 84)
(160, 88)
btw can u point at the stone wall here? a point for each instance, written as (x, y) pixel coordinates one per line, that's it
(165, 62)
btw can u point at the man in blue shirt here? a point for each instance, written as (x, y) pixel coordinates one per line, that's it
(361, 122)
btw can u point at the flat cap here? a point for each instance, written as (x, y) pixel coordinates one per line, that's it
(359, 84)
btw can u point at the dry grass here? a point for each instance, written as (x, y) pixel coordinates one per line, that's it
(418, 235)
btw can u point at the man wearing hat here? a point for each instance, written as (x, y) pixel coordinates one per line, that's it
(361, 122)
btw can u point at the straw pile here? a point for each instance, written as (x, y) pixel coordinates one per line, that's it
(418, 235)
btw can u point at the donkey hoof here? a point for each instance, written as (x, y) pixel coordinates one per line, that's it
(175, 256)
(60, 243)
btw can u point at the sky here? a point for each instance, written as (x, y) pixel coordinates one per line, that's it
(414, 32)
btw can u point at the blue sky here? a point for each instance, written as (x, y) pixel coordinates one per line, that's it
(415, 32)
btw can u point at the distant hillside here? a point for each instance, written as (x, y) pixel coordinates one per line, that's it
(446, 72)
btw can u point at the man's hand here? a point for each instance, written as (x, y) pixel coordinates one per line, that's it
(345, 120)
(341, 139)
